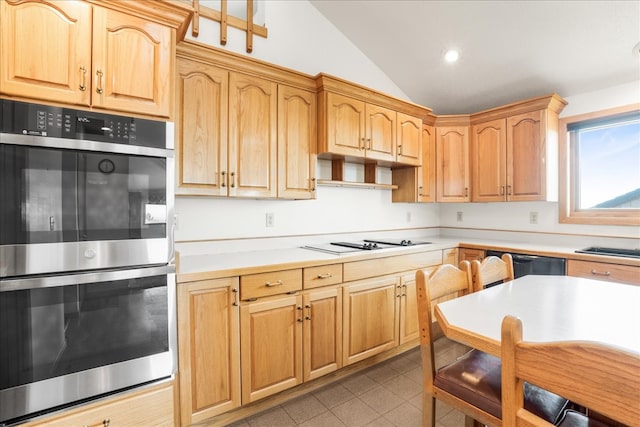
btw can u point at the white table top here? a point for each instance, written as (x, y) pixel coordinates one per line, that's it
(552, 308)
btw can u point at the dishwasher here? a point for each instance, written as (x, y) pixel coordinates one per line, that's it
(532, 264)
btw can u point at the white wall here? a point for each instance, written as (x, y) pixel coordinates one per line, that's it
(301, 38)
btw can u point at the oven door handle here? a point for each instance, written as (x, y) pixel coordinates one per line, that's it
(25, 283)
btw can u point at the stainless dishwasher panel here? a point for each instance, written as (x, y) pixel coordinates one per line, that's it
(532, 264)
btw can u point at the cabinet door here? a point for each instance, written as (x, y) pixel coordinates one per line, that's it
(409, 327)
(409, 140)
(271, 346)
(488, 161)
(370, 318)
(526, 157)
(209, 353)
(322, 332)
(201, 129)
(296, 143)
(380, 133)
(345, 125)
(252, 136)
(133, 63)
(452, 150)
(427, 187)
(468, 254)
(53, 65)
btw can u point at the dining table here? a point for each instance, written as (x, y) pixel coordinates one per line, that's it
(551, 308)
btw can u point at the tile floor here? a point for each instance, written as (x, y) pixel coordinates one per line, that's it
(387, 394)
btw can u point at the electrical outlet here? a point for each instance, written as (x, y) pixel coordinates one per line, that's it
(408, 216)
(533, 217)
(459, 216)
(270, 219)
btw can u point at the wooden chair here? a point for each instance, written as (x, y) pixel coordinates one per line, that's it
(600, 378)
(492, 269)
(445, 280)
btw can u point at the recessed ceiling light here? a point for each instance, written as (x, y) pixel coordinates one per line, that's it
(451, 55)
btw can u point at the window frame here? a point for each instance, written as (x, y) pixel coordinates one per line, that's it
(567, 179)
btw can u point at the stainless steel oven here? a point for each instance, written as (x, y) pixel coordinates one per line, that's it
(87, 281)
(82, 190)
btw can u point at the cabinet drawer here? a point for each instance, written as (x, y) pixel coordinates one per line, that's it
(357, 270)
(314, 277)
(272, 283)
(153, 407)
(604, 271)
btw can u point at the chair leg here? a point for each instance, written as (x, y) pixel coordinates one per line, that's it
(470, 422)
(428, 410)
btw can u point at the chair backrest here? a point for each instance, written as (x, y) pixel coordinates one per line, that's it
(445, 280)
(601, 378)
(491, 269)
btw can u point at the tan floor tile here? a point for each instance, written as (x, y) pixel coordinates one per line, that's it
(405, 415)
(355, 413)
(274, 417)
(359, 383)
(381, 399)
(404, 387)
(304, 408)
(381, 373)
(333, 395)
(326, 419)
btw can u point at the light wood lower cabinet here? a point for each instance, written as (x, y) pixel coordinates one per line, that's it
(604, 271)
(149, 407)
(209, 348)
(271, 346)
(468, 254)
(409, 327)
(322, 332)
(370, 317)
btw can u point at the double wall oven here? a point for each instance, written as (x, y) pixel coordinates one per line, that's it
(87, 282)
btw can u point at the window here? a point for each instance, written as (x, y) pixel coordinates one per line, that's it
(600, 167)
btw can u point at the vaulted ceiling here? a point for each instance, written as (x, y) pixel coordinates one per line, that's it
(509, 50)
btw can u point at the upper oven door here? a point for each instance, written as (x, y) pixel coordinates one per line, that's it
(67, 209)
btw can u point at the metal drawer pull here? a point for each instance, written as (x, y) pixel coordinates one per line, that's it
(277, 283)
(597, 273)
(324, 275)
(308, 307)
(99, 89)
(235, 299)
(83, 85)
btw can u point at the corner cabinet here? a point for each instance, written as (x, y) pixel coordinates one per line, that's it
(241, 135)
(514, 151)
(209, 348)
(92, 56)
(418, 184)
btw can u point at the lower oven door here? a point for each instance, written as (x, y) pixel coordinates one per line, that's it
(68, 338)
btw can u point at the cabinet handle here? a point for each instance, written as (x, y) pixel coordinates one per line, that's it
(308, 307)
(83, 86)
(400, 149)
(313, 184)
(420, 191)
(223, 181)
(368, 144)
(361, 146)
(466, 191)
(277, 283)
(502, 190)
(235, 298)
(233, 179)
(104, 423)
(99, 89)
(509, 190)
(324, 275)
(600, 273)
(299, 308)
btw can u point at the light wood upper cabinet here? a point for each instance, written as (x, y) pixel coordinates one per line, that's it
(488, 161)
(409, 139)
(209, 348)
(253, 104)
(345, 126)
(201, 129)
(452, 151)
(418, 184)
(133, 62)
(53, 66)
(297, 133)
(380, 133)
(513, 151)
(89, 56)
(271, 346)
